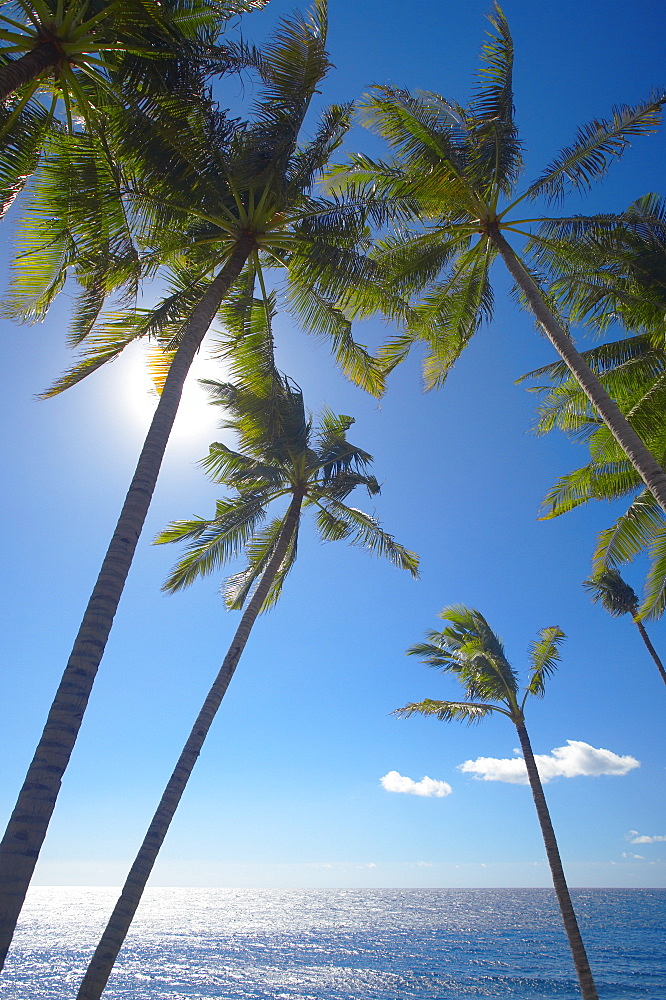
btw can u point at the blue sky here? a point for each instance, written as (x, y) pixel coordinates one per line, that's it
(287, 791)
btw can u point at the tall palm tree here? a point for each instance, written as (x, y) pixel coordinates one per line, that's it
(251, 207)
(281, 456)
(473, 653)
(618, 598)
(62, 61)
(451, 189)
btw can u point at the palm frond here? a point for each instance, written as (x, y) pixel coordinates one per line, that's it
(212, 543)
(449, 711)
(596, 145)
(544, 659)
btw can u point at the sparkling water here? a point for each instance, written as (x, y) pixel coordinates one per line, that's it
(342, 944)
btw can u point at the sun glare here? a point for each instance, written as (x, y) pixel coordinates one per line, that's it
(197, 420)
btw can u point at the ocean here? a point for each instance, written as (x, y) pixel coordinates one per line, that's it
(342, 944)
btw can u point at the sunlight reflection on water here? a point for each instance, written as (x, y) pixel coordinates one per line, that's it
(337, 944)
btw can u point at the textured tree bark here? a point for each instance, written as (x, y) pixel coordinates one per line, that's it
(102, 962)
(651, 650)
(641, 458)
(587, 987)
(30, 66)
(29, 822)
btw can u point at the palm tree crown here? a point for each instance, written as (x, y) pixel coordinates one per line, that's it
(613, 593)
(469, 649)
(62, 62)
(451, 189)
(281, 454)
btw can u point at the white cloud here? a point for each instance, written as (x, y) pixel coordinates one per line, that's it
(632, 857)
(634, 837)
(575, 759)
(428, 787)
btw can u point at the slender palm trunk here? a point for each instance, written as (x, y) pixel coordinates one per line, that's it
(28, 824)
(587, 987)
(116, 930)
(28, 67)
(650, 648)
(640, 457)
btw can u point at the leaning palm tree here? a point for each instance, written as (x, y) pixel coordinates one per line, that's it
(215, 210)
(473, 653)
(281, 457)
(451, 187)
(618, 598)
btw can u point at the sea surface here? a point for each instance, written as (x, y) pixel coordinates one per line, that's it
(342, 944)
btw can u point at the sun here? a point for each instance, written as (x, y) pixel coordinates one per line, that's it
(135, 399)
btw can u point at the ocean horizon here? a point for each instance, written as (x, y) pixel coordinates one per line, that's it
(341, 944)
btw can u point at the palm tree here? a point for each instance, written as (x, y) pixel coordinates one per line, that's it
(281, 456)
(618, 598)
(451, 189)
(473, 653)
(252, 206)
(75, 56)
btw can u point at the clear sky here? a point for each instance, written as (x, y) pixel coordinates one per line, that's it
(287, 791)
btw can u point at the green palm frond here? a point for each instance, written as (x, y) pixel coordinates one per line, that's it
(596, 144)
(544, 659)
(640, 530)
(231, 468)
(631, 534)
(363, 530)
(497, 155)
(653, 604)
(449, 711)
(326, 320)
(213, 543)
(259, 551)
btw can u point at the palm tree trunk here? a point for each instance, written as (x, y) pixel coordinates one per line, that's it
(651, 650)
(28, 824)
(28, 67)
(587, 987)
(116, 930)
(641, 458)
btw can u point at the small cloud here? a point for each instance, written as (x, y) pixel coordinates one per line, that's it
(427, 787)
(632, 857)
(424, 864)
(571, 761)
(634, 837)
